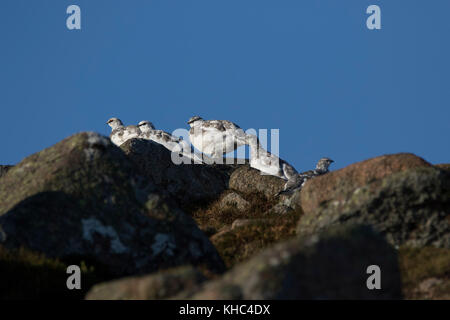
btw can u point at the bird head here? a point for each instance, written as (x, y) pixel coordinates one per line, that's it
(114, 123)
(194, 119)
(323, 164)
(146, 126)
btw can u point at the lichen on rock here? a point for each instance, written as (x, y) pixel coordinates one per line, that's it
(63, 202)
(409, 207)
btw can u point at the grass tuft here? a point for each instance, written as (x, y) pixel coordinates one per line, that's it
(240, 243)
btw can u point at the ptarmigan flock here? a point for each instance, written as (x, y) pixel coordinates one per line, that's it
(215, 138)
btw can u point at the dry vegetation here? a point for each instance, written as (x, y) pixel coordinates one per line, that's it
(237, 244)
(418, 265)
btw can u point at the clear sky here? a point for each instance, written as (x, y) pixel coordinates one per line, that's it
(310, 68)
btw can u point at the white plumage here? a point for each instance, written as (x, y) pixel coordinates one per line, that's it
(267, 162)
(120, 133)
(172, 143)
(215, 137)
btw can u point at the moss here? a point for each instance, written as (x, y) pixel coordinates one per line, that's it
(417, 265)
(25, 274)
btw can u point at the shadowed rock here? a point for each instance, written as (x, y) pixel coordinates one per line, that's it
(187, 183)
(83, 197)
(159, 285)
(331, 265)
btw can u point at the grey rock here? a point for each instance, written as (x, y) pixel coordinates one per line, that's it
(410, 208)
(187, 183)
(248, 180)
(83, 197)
(232, 199)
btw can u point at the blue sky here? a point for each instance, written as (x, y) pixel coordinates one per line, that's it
(310, 68)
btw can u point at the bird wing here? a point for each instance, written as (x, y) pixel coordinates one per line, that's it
(308, 174)
(221, 125)
(130, 132)
(293, 183)
(119, 132)
(230, 125)
(165, 136)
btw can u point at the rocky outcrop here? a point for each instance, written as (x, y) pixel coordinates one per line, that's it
(159, 285)
(409, 207)
(121, 212)
(83, 197)
(187, 183)
(337, 185)
(330, 265)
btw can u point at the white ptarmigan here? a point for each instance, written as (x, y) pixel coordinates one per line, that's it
(169, 141)
(215, 137)
(299, 180)
(120, 133)
(267, 162)
(149, 132)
